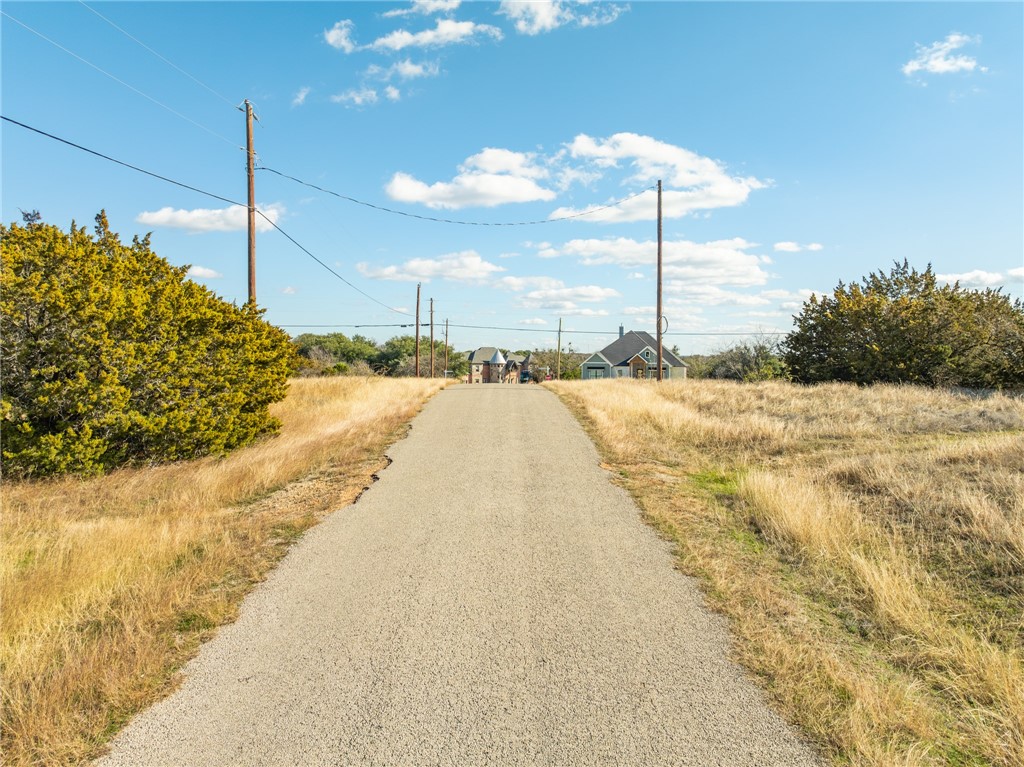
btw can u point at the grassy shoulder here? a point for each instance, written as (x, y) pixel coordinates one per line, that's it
(109, 585)
(866, 543)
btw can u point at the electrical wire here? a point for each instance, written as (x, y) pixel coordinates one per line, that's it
(207, 194)
(547, 330)
(164, 59)
(122, 82)
(449, 220)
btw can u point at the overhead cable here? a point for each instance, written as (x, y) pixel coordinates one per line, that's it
(122, 82)
(449, 220)
(207, 194)
(164, 59)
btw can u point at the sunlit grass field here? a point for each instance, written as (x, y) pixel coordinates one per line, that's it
(108, 585)
(867, 544)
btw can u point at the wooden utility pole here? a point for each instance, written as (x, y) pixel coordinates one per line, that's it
(250, 162)
(446, 348)
(417, 330)
(431, 337)
(558, 353)
(660, 314)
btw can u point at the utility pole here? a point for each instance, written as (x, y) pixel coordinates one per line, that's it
(431, 337)
(446, 348)
(558, 353)
(252, 201)
(660, 315)
(417, 330)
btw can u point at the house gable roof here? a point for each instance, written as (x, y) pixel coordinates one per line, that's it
(623, 349)
(595, 357)
(483, 354)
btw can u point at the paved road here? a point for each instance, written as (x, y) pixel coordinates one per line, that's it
(492, 600)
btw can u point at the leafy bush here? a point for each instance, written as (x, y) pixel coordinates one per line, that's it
(110, 355)
(758, 359)
(903, 327)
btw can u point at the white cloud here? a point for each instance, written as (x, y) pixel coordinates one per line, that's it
(492, 177)
(1017, 272)
(720, 262)
(712, 295)
(300, 97)
(232, 219)
(635, 276)
(937, 58)
(796, 247)
(447, 32)
(340, 36)
(359, 98)
(289, 291)
(519, 284)
(407, 69)
(425, 8)
(466, 266)
(203, 273)
(700, 182)
(581, 293)
(532, 17)
(392, 93)
(976, 278)
(533, 321)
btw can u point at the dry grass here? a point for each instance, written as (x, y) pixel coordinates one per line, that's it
(867, 543)
(108, 585)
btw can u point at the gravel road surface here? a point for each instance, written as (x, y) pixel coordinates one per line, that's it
(492, 600)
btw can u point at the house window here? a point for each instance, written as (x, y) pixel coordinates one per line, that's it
(619, 372)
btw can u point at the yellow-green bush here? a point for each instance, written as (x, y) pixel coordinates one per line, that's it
(110, 355)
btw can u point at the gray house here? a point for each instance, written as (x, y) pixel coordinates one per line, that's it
(632, 355)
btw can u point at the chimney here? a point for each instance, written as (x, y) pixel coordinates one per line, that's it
(622, 331)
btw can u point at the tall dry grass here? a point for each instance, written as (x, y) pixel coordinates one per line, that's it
(109, 584)
(865, 541)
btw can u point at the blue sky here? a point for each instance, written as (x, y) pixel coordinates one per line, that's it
(799, 144)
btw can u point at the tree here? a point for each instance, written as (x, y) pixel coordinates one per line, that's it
(109, 355)
(756, 359)
(904, 327)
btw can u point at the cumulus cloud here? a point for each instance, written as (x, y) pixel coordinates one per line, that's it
(720, 262)
(232, 219)
(939, 59)
(1017, 272)
(712, 295)
(356, 97)
(446, 32)
(565, 301)
(392, 93)
(203, 273)
(466, 266)
(976, 278)
(407, 69)
(425, 8)
(694, 182)
(796, 247)
(289, 290)
(300, 97)
(340, 36)
(492, 177)
(532, 17)
(519, 284)
(533, 321)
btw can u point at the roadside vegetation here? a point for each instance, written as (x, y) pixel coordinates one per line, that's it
(109, 584)
(867, 544)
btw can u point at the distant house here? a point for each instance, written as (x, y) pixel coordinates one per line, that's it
(632, 355)
(488, 365)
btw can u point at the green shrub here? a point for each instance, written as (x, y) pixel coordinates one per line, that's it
(904, 327)
(110, 355)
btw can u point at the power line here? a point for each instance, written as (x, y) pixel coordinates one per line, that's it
(449, 220)
(122, 82)
(164, 59)
(547, 330)
(207, 194)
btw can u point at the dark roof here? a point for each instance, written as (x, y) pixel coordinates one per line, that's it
(483, 354)
(623, 349)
